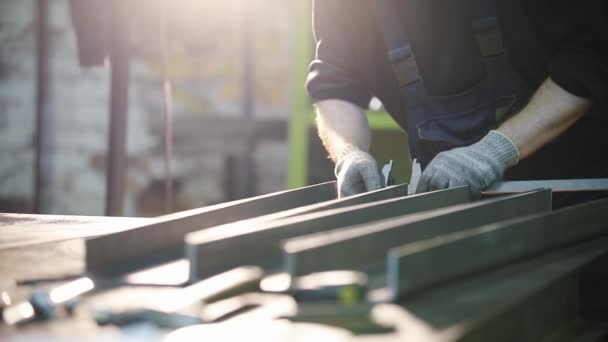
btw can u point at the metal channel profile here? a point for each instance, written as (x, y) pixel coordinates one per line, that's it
(426, 263)
(559, 185)
(367, 244)
(150, 244)
(366, 197)
(371, 196)
(541, 292)
(258, 243)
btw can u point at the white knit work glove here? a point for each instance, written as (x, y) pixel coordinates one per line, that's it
(356, 172)
(478, 165)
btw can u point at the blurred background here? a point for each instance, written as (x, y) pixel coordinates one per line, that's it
(102, 102)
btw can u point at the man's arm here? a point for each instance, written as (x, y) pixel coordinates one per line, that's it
(338, 82)
(345, 133)
(551, 111)
(342, 124)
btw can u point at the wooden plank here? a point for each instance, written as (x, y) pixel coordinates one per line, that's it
(150, 244)
(422, 264)
(359, 246)
(259, 243)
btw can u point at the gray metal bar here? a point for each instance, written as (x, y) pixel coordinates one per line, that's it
(147, 244)
(20, 230)
(560, 185)
(362, 245)
(426, 263)
(231, 229)
(367, 197)
(213, 250)
(376, 195)
(541, 293)
(592, 332)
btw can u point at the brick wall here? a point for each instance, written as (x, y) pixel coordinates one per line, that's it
(206, 85)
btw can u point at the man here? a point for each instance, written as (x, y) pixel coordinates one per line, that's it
(533, 108)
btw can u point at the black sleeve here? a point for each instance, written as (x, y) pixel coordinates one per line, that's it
(580, 65)
(336, 71)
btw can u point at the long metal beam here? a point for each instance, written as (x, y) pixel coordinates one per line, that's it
(212, 250)
(426, 263)
(367, 197)
(148, 244)
(560, 185)
(541, 294)
(363, 245)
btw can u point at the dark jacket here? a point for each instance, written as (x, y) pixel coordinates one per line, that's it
(566, 40)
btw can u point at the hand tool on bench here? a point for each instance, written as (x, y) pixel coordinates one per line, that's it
(340, 287)
(183, 309)
(43, 305)
(6, 287)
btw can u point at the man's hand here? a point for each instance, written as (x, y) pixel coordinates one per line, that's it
(356, 172)
(478, 165)
(345, 133)
(549, 113)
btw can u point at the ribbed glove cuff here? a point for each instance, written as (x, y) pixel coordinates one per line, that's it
(344, 155)
(501, 148)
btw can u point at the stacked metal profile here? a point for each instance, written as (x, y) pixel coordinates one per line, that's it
(499, 269)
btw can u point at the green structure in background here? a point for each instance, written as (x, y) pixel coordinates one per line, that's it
(300, 107)
(308, 161)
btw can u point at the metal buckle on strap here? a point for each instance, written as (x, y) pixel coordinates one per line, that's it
(404, 65)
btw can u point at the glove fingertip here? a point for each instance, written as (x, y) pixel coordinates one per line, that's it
(374, 184)
(423, 184)
(372, 180)
(344, 191)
